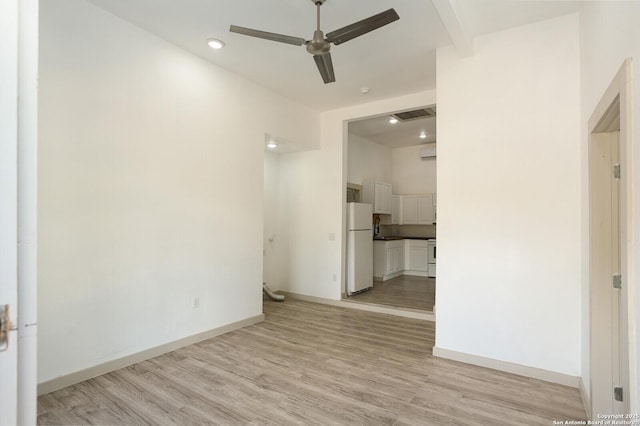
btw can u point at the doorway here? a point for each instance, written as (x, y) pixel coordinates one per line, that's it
(609, 270)
(391, 158)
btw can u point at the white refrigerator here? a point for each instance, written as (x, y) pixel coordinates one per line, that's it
(359, 247)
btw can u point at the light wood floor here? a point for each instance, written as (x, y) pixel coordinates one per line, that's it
(402, 292)
(312, 364)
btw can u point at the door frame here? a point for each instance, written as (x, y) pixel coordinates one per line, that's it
(19, 32)
(28, 71)
(609, 124)
(9, 204)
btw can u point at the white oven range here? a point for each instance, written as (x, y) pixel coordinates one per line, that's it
(431, 247)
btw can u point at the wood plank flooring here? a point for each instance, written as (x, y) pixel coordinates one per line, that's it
(405, 291)
(311, 364)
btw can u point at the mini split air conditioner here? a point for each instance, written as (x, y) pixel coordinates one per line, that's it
(428, 151)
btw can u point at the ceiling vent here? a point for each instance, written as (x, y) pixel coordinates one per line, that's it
(415, 114)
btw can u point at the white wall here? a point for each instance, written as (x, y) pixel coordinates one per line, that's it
(609, 33)
(412, 174)
(509, 197)
(309, 209)
(402, 167)
(150, 189)
(313, 193)
(271, 232)
(367, 160)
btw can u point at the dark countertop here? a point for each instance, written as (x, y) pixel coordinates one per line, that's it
(401, 238)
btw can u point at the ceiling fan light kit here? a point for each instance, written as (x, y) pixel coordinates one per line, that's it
(319, 46)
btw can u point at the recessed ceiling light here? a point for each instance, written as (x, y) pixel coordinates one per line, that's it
(214, 43)
(272, 145)
(364, 90)
(423, 135)
(393, 120)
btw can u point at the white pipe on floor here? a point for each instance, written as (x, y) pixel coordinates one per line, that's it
(271, 294)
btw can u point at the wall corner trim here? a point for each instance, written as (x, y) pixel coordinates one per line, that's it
(509, 367)
(116, 364)
(586, 400)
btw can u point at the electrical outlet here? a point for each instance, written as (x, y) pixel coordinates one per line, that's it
(334, 277)
(196, 302)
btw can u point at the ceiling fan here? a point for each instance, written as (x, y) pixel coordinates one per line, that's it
(319, 46)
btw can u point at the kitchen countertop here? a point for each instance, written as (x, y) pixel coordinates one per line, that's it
(401, 238)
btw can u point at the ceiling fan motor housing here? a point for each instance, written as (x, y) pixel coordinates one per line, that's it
(318, 2)
(318, 46)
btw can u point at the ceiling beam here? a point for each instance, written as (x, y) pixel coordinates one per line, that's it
(449, 17)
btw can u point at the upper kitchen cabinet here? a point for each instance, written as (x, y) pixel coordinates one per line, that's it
(417, 210)
(379, 195)
(409, 210)
(425, 210)
(395, 209)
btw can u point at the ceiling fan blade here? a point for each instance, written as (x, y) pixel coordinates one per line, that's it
(325, 66)
(362, 27)
(296, 41)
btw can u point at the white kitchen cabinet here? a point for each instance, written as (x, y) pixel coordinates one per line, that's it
(417, 210)
(388, 259)
(379, 260)
(392, 260)
(425, 210)
(378, 194)
(395, 258)
(409, 210)
(417, 258)
(395, 209)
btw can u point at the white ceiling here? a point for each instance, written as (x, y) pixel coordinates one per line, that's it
(400, 134)
(394, 60)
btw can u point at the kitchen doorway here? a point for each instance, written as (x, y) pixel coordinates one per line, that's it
(391, 159)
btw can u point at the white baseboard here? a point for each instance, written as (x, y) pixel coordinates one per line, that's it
(388, 276)
(586, 401)
(116, 364)
(508, 367)
(416, 273)
(407, 313)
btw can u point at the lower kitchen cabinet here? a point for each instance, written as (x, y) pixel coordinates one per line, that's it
(417, 258)
(388, 259)
(395, 259)
(392, 259)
